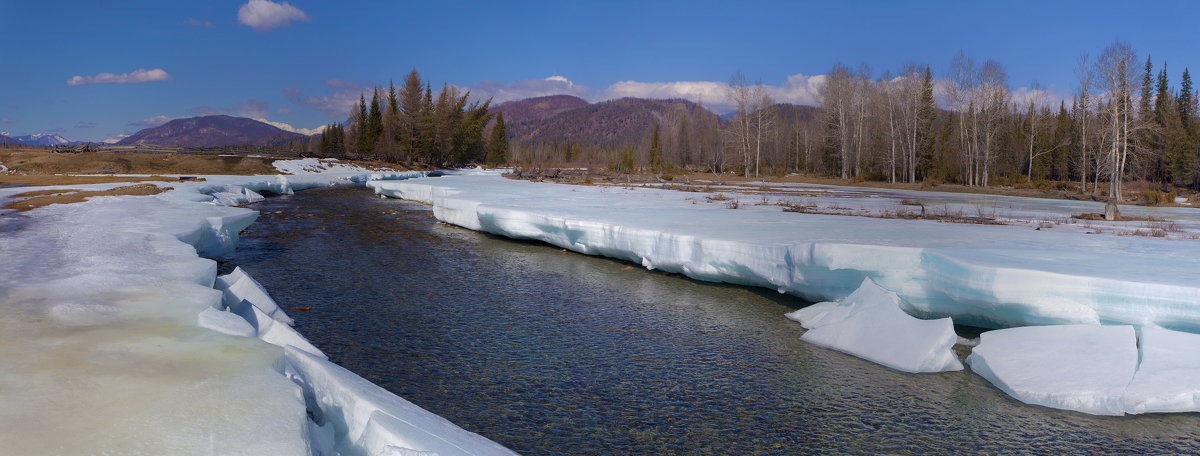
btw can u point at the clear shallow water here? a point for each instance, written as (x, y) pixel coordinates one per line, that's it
(549, 352)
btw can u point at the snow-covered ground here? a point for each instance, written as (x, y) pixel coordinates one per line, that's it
(118, 337)
(1034, 213)
(988, 275)
(318, 166)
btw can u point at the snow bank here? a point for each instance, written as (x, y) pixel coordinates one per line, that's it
(113, 339)
(1084, 368)
(1168, 377)
(240, 291)
(367, 418)
(981, 275)
(869, 324)
(1094, 369)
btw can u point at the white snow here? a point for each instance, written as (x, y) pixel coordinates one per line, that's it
(981, 275)
(1168, 377)
(1094, 369)
(369, 418)
(113, 339)
(318, 166)
(1084, 368)
(870, 324)
(808, 316)
(240, 291)
(225, 322)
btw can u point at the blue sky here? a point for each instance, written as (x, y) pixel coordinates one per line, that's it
(300, 63)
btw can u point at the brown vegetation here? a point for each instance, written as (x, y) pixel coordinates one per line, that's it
(42, 161)
(41, 198)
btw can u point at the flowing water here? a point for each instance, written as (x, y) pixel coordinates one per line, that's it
(551, 353)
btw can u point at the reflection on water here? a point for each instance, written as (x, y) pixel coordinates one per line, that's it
(549, 352)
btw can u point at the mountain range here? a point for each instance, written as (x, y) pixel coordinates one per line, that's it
(624, 121)
(540, 120)
(213, 131)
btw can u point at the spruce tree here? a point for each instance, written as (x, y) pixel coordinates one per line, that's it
(467, 137)
(925, 132)
(374, 123)
(361, 141)
(1161, 94)
(391, 124)
(408, 135)
(497, 153)
(1186, 102)
(425, 129)
(655, 156)
(1147, 84)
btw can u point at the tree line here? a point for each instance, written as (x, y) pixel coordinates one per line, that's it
(1125, 121)
(411, 125)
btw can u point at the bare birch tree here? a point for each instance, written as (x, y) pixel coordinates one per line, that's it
(837, 99)
(1115, 68)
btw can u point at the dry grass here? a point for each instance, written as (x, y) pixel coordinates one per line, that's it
(41, 161)
(943, 214)
(42, 198)
(1123, 218)
(38, 180)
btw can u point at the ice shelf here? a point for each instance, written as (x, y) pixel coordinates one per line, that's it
(113, 339)
(1093, 368)
(981, 275)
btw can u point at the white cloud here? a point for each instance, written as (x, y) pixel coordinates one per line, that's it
(135, 77)
(152, 121)
(336, 105)
(264, 15)
(799, 89)
(114, 138)
(1048, 98)
(248, 108)
(527, 88)
(287, 127)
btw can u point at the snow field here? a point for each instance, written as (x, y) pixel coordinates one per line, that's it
(119, 338)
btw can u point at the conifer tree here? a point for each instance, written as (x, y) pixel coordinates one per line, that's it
(374, 123)
(1186, 102)
(655, 156)
(497, 148)
(1144, 105)
(361, 141)
(468, 131)
(391, 124)
(408, 135)
(926, 115)
(1161, 94)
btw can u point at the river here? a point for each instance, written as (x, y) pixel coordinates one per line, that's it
(553, 353)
